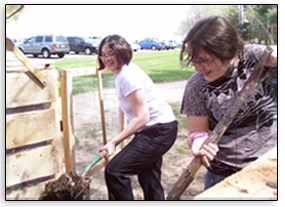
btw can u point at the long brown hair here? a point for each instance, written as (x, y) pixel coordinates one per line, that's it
(121, 48)
(216, 36)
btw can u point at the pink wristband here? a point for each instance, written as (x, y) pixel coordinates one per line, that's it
(198, 136)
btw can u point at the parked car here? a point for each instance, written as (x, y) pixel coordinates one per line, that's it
(45, 45)
(169, 44)
(173, 44)
(96, 41)
(153, 44)
(135, 46)
(81, 44)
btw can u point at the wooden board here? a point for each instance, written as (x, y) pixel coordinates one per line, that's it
(21, 91)
(30, 127)
(27, 193)
(258, 181)
(31, 164)
(33, 138)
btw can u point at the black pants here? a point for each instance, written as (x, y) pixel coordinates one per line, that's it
(142, 157)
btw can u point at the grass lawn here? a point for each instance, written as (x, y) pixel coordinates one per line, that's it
(161, 66)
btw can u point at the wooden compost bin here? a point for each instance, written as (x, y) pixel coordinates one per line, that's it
(33, 138)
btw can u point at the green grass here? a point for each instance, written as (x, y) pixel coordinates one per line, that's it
(161, 66)
(79, 62)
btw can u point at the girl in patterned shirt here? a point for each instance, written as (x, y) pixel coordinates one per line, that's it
(224, 64)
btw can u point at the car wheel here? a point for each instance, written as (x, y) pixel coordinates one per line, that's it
(153, 47)
(61, 55)
(87, 51)
(46, 53)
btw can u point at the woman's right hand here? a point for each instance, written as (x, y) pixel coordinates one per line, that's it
(110, 147)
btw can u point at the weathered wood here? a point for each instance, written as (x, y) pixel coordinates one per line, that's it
(30, 127)
(27, 192)
(33, 140)
(101, 102)
(21, 91)
(258, 181)
(30, 164)
(82, 71)
(67, 121)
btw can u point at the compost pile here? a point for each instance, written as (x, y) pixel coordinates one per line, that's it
(66, 187)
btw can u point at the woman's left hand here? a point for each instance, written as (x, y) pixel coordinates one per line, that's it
(199, 149)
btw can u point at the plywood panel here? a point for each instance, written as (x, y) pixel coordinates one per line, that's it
(30, 127)
(21, 91)
(27, 193)
(31, 164)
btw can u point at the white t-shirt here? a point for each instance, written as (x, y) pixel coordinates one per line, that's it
(132, 78)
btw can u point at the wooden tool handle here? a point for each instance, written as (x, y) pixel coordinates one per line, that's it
(103, 153)
(185, 179)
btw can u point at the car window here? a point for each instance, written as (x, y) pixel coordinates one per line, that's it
(30, 40)
(48, 38)
(39, 39)
(70, 39)
(78, 40)
(60, 39)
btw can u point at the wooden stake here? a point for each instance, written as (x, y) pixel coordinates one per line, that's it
(101, 102)
(67, 121)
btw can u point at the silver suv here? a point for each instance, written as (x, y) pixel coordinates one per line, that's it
(46, 45)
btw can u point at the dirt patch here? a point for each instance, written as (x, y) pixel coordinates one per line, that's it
(89, 139)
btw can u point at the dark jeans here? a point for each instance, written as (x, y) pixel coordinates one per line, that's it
(142, 157)
(212, 179)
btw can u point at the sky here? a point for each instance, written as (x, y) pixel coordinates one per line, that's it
(133, 22)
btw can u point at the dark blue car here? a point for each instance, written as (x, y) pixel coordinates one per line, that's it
(151, 44)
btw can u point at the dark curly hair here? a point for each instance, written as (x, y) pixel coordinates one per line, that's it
(216, 36)
(121, 48)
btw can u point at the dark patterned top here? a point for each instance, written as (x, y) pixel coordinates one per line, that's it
(253, 131)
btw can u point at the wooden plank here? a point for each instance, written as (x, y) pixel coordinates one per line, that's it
(14, 65)
(31, 127)
(258, 181)
(41, 79)
(27, 193)
(82, 71)
(21, 91)
(67, 121)
(101, 102)
(30, 164)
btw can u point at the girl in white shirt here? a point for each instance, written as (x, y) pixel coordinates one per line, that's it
(150, 119)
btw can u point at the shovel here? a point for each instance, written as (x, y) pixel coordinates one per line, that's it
(93, 163)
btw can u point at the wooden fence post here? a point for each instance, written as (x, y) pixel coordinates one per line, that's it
(67, 121)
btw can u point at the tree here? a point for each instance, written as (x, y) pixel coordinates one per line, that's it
(253, 22)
